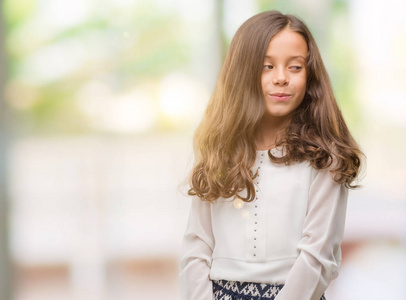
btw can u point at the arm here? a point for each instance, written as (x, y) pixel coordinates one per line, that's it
(323, 229)
(198, 244)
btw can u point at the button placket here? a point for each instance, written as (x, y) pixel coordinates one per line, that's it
(256, 210)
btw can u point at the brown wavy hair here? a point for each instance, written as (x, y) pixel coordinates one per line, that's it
(224, 142)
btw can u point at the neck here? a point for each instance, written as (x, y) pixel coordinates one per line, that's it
(269, 131)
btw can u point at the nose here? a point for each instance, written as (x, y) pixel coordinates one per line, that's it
(280, 77)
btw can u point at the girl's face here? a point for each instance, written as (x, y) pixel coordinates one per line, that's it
(284, 75)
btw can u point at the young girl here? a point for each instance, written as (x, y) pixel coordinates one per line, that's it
(274, 163)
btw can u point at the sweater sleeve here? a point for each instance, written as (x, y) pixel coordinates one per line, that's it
(198, 244)
(320, 252)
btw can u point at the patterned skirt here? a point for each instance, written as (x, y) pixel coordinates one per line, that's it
(236, 290)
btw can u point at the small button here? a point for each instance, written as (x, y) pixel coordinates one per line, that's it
(255, 230)
(255, 246)
(256, 214)
(257, 182)
(262, 154)
(257, 191)
(256, 222)
(255, 239)
(261, 161)
(256, 205)
(259, 167)
(255, 254)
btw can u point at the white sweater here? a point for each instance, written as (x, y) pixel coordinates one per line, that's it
(291, 234)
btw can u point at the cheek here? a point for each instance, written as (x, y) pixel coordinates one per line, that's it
(263, 83)
(301, 85)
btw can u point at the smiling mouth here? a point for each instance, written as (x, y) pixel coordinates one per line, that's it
(280, 94)
(280, 97)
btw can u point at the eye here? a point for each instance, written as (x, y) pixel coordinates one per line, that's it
(268, 67)
(296, 68)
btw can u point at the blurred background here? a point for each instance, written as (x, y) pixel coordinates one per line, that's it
(99, 102)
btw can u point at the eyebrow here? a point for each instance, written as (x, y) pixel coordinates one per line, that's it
(290, 58)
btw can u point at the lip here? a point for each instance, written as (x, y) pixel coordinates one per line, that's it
(280, 96)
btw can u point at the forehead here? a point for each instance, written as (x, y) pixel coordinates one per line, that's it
(287, 44)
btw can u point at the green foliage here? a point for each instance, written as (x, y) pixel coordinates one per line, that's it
(343, 65)
(17, 12)
(281, 5)
(128, 46)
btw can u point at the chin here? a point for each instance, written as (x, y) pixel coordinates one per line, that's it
(277, 114)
